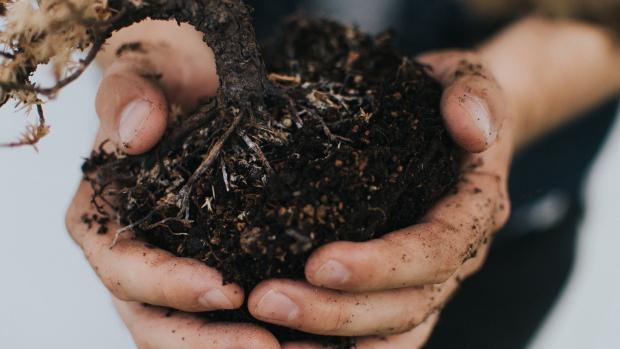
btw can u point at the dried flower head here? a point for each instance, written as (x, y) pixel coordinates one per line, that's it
(35, 33)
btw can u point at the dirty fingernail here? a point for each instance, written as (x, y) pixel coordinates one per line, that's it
(277, 307)
(332, 273)
(132, 119)
(480, 114)
(215, 300)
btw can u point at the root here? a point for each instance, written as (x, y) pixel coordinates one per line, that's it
(277, 92)
(285, 78)
(332, 137)
(163, 222)
(214, 152)
(120, 231)
(256, 149)
(225, 175)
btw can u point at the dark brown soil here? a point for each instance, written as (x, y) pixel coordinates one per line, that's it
(349, 145)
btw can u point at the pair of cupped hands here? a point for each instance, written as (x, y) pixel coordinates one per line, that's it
(388, 291)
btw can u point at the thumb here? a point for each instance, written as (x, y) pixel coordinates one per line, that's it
(132, 110)
(473, 104)
(132, 107)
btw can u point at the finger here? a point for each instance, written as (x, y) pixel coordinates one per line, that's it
(301, 306)
(300, 345)
(429, 252)
(414, 339)
(473, 104)
(133, 110)
(184, 69)
(132, 98)
(153, 328)
(134, 272)
(298, 305)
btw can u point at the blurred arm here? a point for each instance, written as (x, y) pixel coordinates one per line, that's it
(552, 70)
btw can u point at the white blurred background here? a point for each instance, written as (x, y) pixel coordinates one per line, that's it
(50, 298)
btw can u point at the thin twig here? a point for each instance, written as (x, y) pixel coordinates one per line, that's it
(166, 220)
(213, 153)
(33, 133)
(50, 91)
(106, 22)
(332, 137)
(294, 114)
(7, 55)
(286, 78)
(225, 175)
(120, 231)
(278, 92)
(256, 148)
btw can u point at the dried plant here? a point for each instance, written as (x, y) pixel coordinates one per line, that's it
(38, 33)
(50, 31)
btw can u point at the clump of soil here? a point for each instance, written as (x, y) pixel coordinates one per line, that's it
(350, 145)
(356, 148)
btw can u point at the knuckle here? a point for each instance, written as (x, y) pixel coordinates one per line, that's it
(446, 269)
(414, 320)
(116, 288)
(170, 296)
(448, 251)
(141, 342)
(73, 223)
(479, 262)
(120, 295)
(174, 292)
(444, 274)
(103, 93)
(439, 247)
(456, 265)
(257, 338)
(337, 319)
(70, 223)
(457, 55)
(504, 209)
(417, 313)
(471, 267)
(117, 291)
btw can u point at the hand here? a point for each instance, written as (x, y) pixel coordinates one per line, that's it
(153, 327)
(133, 111)
(142, 75)
(397, 284)
(139, 274)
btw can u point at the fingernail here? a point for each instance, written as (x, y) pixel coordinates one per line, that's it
(133, 117)
(215, 300)
(480, 114)
(332, 273)
(277, 307)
